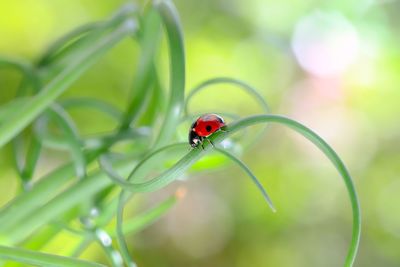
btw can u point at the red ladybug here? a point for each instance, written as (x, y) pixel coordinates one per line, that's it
(203, 127)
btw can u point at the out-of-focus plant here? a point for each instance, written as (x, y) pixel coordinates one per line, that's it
(85, 192)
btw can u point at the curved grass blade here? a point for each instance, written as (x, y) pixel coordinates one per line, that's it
(81, 36)
(97, 104)
(172, 24)
(26, 68)
(107, 139)
(149, 41)
(182, 165)
(15, 123)
(42, 259)
(57, 47)
(124, 196)
(241, 85)
(32, 157)
(220, 80)
(71, 137)
(250, 174)
(333, 157)
(124, 183)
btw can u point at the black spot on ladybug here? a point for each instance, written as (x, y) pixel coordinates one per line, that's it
(208, 128)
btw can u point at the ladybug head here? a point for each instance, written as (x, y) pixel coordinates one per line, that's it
(194, 139)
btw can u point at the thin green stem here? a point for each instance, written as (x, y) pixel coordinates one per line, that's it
(250, 174)
(172, 24)
(226, 80)
(42, 259)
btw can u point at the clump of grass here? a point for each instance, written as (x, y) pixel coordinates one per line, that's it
(43, 203)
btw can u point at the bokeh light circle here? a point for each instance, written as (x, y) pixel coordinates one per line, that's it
(325, 44)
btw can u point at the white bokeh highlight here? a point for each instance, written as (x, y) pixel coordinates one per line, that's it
(325, 44)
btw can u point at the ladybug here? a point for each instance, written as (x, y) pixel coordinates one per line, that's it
(203, 127)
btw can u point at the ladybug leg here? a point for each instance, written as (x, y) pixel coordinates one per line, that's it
(202, 142)
(211, 142)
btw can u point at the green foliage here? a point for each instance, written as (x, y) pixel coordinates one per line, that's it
(59, 196)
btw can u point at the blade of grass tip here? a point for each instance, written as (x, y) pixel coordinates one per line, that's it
(149, 42)
(15, 123)
(32, 157)
(226, 80)
(26, 169)
(71, 137)
(172, 24)
(42, 259)
(250, 174)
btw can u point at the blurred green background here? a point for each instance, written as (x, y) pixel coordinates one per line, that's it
(334, 66)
